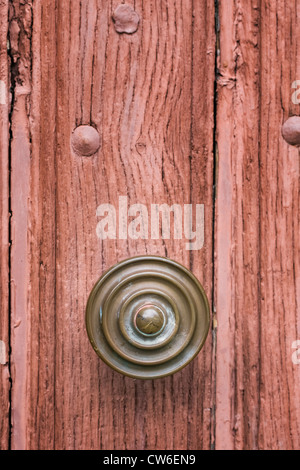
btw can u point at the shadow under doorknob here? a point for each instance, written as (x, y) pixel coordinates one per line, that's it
(147, 317)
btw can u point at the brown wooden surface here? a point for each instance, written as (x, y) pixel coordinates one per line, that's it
(137, 91)
(174, 122)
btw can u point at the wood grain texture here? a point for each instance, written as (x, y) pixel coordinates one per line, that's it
(156, 147)
(257, 228)
(4, 232)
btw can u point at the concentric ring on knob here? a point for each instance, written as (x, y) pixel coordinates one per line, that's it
(147, 317)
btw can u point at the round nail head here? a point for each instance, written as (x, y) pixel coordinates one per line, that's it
(291, 131)
(126, 19)
(85, 141)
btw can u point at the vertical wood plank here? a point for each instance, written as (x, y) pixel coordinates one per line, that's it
(33, 224)
(4, 232)
(237, 227)
(257, 228)
(201, 411)
(279, 407)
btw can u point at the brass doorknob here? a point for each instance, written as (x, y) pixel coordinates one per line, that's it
(147, 317)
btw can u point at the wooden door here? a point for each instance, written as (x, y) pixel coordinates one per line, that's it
(188, 101)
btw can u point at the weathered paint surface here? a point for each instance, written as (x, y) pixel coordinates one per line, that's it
(3, 92)
(175, 125)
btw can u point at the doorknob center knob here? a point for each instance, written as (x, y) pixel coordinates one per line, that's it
(150, 319)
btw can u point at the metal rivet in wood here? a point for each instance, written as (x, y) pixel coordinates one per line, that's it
(291, 131)
(147, 317)
(85, 141)
(126, 19)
